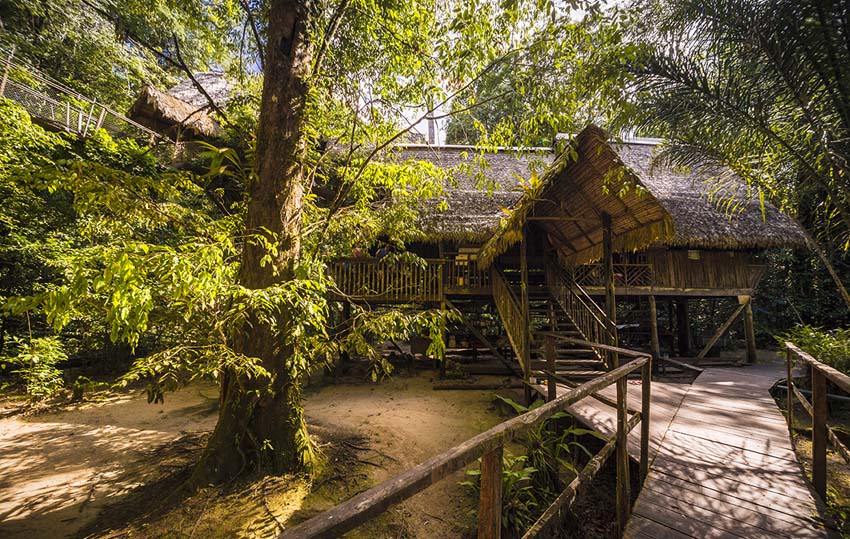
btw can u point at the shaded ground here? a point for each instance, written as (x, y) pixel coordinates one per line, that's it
(59, 470)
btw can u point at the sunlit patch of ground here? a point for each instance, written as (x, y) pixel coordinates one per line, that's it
(106, 469)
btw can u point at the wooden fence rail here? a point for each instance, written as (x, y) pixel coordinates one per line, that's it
(817, 409)
(489, 447)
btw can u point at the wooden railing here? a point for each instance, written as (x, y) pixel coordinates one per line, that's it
(817, 409)
(392, 280)
(380, 280)
(625, 275)
(511, 314)
(466, 275)
(489, 447)
(588, 317)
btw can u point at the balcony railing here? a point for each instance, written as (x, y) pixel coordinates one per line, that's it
(625, 275)
(372, 279)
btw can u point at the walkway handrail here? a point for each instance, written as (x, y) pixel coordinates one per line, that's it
(46, 99)
(817, 409)
(489, 446)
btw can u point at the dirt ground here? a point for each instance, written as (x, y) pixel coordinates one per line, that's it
(60, 470)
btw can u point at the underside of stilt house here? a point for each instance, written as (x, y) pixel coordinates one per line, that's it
(602, 244)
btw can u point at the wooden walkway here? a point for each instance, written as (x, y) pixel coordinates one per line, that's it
(721, 461)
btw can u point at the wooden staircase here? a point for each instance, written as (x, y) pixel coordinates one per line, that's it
(547, 316)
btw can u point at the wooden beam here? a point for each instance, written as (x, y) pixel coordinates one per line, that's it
(610, 297)
(557, 218)
(750, 332)
(526, 330)
(721, 331)
(819, 433)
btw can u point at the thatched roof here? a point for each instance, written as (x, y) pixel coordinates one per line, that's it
(585, 182)
(650, 204)
(712, 208)
(479, 190)
(169, 115)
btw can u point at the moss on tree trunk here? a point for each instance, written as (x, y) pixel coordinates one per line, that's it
(261, 422)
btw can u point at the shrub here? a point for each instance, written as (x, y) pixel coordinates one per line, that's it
(36, 365)
(829, 346)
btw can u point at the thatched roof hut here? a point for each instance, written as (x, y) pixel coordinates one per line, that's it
(182, 111)
(649, 204)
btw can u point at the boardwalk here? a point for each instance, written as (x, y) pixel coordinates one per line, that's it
(722, 465)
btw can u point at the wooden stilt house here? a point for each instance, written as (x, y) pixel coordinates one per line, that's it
(596, 224)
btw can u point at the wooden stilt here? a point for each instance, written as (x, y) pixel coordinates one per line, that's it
(750, 332)
(346, 324)
(683, 326)
(610, 298)
(655, 345)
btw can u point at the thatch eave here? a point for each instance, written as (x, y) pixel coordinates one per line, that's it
(162, 112)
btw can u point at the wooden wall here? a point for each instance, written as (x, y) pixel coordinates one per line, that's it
(674, 268)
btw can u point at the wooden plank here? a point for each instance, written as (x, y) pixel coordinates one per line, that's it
(742, 523)
(787, 510)
(640, 526)
(726, 467)
(682, 523)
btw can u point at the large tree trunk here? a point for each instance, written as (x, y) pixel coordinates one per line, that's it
(261, 424)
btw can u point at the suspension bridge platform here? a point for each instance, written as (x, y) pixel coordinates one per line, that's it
(722, 464)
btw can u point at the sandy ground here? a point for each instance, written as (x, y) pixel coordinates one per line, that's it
(408, 422)
(59, 470)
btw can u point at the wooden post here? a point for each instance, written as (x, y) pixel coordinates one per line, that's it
(655, 344)
(646, 387)
(610, 298)
(683, 326)
(490, 500)
(346, 325)
(444, 335)
(750, 332)
(789, 382)
(552, 388)
(526, 329)
(819, 432)
(623, 497)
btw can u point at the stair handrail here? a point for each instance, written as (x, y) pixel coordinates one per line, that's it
(587, 316)
(510, 312)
